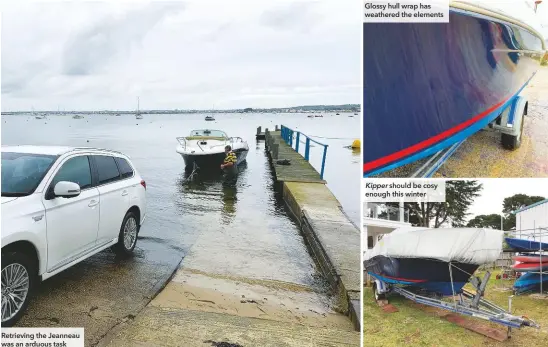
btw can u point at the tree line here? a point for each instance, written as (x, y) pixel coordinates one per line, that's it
(459, 196)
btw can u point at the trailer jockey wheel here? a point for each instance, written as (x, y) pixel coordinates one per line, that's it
(513, 142)
(378, 296)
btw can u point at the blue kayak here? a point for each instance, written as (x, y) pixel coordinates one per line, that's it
(522, 245)
(529, 281)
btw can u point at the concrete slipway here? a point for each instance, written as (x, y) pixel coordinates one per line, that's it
(203, 305)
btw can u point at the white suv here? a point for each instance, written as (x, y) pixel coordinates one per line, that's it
(61, 205)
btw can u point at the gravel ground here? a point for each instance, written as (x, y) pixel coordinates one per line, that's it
(482, 155)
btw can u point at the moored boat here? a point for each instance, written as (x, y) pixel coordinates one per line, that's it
(209, 118)
(436, 260)
(205, 148)
(138, 114)
(428, 86)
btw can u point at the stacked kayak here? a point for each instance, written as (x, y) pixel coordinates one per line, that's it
(530, 262)
(523, 245)
(532, 265)
(530, 281)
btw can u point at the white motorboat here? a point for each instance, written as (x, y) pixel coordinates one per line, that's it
(206, 148)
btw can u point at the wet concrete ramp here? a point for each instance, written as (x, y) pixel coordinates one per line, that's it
(170, 327)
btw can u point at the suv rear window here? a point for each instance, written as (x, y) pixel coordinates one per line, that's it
(125, 169)
(107, 169)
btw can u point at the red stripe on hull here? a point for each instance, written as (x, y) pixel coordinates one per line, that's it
(429, 142)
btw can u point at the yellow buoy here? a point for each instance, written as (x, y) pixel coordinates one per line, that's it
(356, 144)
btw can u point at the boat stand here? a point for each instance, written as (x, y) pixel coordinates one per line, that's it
(465, 303)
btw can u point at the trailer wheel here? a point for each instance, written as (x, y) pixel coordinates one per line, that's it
(378, 296)
(513, 142)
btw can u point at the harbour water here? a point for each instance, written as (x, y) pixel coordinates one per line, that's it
(239, 231)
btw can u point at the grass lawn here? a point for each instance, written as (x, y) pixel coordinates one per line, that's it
(412, 326)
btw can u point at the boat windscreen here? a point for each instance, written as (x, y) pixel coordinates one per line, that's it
(208, 133)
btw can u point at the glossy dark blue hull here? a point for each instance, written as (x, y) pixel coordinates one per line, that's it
(426, 274)
(430, 85)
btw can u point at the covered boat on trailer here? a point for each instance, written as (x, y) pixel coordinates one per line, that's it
(431, 267)
(436, 260)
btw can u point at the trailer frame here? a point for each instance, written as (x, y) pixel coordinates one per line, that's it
(464, 303)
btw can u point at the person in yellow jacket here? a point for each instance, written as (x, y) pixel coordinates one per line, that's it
(230, 159)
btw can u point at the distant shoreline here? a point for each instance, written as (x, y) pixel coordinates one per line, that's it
(296, 109)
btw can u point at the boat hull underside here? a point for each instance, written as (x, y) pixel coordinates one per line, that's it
(213, 160)
(427, 274)
(430, 85)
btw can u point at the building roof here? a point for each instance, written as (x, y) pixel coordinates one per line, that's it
(530, 206)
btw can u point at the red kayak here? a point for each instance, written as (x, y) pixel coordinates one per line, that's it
(529, 258)
(525, 267)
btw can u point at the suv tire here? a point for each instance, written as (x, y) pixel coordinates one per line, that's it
(18, 282)
(127, 239)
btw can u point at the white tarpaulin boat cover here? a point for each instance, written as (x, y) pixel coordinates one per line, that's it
(465, 245)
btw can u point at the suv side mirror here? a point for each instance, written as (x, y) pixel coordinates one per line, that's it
(66, 189)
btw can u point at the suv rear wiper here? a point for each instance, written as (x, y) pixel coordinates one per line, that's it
(14, 194)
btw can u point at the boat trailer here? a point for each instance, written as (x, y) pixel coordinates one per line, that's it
(509, 123)
(464, 303)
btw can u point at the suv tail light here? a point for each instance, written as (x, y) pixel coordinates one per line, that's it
(144, 184)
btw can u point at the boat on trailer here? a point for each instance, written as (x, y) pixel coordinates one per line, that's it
(426, 265)
(436, 260)
(429, 86)
(205, 148)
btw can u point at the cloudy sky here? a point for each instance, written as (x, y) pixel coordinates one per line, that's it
(197, 54)
(496, 189)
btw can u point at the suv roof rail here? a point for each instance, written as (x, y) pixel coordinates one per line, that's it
(96, 149)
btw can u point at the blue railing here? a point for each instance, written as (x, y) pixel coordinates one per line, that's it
(289, 136)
